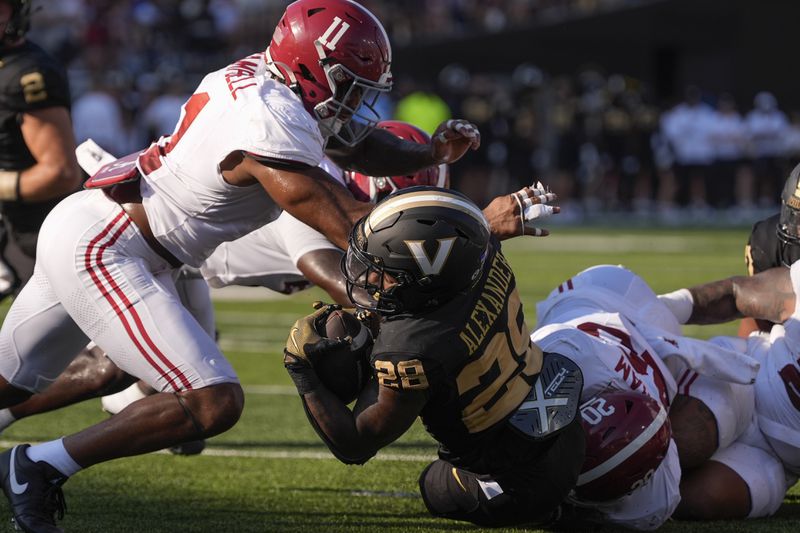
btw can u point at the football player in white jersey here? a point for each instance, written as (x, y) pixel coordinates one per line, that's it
(285, 256)
(624, 339)
(769, 450)
(247, 145)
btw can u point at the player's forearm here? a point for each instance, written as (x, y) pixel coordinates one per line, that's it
(383, 154)
(714, 303)
(766, 296)
(46, 181)
(319, 202)
(336, 426)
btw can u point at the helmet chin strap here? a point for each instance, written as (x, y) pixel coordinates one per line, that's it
(277, 69)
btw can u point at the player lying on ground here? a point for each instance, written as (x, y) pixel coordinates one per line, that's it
(614, 327)
(248, 145)
(453, 348)
(771, 295)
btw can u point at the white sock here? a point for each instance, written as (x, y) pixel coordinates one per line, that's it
(54, 454)
(680, 302)
(6, 418)
(114, 403)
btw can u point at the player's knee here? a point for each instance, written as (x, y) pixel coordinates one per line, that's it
(213, 409)
(694, 429)
(713, 492)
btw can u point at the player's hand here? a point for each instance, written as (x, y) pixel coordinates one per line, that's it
(519, 213)
(452, 139)
(304, 345)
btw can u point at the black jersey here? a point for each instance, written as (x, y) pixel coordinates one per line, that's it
(30, 80)
(764, 248)
(473, 356)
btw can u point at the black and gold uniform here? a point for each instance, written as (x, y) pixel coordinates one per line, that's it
(765, 250)
(474, 358)
(30, 80)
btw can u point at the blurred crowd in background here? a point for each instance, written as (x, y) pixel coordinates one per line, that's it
(599, 139)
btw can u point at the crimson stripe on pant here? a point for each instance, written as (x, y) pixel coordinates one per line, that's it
(88, 262)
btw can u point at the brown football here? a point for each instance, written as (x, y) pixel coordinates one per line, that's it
(345, 371)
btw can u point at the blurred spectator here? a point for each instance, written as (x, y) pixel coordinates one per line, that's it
(767, 127)
(97, 114)
(687, 128)
(728, 182)
(161, 114)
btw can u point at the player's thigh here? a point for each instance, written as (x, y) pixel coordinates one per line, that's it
(708, 414)
(195, 295)
(38, 338)
(154, 337)
(740, 481)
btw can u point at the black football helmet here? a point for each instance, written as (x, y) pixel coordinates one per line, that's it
(20, 21)
(789, 222)
(431, 241)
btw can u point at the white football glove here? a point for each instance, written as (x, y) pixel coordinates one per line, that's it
(533, 207)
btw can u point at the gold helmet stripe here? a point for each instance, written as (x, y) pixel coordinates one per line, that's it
(423, 199)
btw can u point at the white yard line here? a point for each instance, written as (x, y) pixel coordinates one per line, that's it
(277, 454)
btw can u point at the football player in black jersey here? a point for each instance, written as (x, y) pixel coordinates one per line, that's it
(37, 147)
(454, 349)
(775, 241)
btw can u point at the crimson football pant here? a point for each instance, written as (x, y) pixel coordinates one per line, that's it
(528, 490)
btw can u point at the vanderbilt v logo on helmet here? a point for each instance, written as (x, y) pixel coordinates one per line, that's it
(427, 266)
(418, 249)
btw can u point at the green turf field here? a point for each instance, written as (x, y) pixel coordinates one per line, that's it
(271, 472)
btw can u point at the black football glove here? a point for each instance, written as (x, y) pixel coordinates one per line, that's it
(305, 345)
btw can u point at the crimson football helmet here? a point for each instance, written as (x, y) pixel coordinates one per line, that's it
(372, 188)
(416, 250)
(336, 56)
(627, 437)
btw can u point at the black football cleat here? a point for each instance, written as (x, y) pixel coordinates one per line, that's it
(193, 447)
(33, 490)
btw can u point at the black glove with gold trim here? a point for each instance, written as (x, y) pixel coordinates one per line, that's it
(305, 344)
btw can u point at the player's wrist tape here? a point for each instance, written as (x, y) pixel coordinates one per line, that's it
(680, 302)
(9, 184)
(521, 213)
(304, 376)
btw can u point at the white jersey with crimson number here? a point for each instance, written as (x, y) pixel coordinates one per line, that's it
(777, 386)
(237, 109)
(613, 356)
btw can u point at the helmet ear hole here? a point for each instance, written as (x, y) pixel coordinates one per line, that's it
(306, 72)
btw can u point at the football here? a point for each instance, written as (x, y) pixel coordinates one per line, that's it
(345, 371)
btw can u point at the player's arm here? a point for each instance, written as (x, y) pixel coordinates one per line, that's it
(381, 415)
(767, 295)
(48, 135)
(310, 195)
(323, 269)
(383, 154)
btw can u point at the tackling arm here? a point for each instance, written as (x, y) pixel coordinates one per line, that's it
(312, 196)
(384, 154)
(767, 295)
(48, 135)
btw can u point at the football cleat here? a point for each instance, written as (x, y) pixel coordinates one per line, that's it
(33, 490)
(193, 447)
